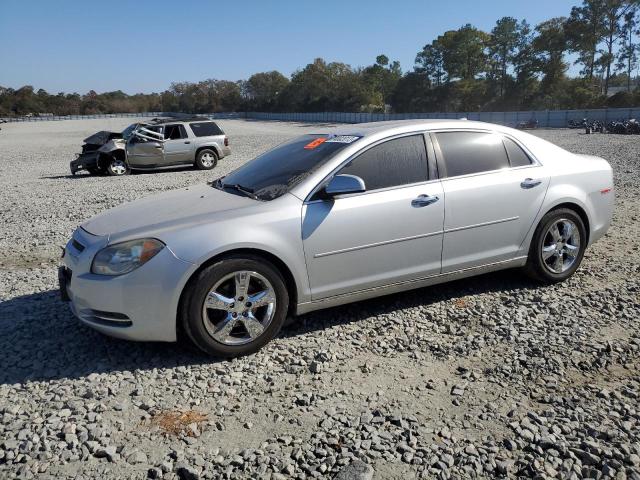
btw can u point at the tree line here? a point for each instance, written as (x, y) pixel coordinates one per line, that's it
(515, 66)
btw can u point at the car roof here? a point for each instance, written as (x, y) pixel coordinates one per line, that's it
(399, 126)
(164, 120)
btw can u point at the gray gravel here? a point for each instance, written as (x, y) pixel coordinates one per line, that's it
(482, 378)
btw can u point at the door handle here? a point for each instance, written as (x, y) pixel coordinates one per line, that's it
(158, 146)
(530, 183)
(424, 200)
(187, 142)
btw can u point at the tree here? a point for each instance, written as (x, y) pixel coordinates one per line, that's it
(430, 61)
(263, 89)
(322, 86)
(584, 30)
(463, 53)
(615, 12)
(628, 54)
(508, 37)
(382, 78)
(413, 93)
(550, 45)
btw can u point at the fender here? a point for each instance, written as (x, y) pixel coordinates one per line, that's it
(213, 145)
(560, 193)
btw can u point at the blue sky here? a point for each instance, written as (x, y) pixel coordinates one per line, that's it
(143, 45)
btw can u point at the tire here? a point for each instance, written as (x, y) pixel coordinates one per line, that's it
(117, 167)
(555, 255)
(230, 324)
(206, 159)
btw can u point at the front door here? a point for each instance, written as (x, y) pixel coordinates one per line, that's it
(390, 233)
(177, 147)
(492, 198)
(145, 148)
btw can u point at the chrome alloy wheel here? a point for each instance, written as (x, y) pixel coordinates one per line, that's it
(239, 308)
(207, 159)
(118, 167)
(560, 245)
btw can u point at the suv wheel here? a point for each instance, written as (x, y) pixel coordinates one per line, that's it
(117, 167)
(235, 306)
(557, 246)
(206, 159)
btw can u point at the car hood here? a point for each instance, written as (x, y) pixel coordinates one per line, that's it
(168, 210)
(102, 137)
(111, 145)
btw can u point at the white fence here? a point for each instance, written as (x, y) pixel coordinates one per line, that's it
(545, 118)
(45, 118)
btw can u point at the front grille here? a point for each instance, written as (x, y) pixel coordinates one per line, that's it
(77, 245)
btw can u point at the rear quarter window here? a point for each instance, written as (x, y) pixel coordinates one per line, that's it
(205, 129)
(517, 157)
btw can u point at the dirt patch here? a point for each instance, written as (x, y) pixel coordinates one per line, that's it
(175, 423)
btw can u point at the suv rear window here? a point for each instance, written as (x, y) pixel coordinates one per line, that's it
(205, 129)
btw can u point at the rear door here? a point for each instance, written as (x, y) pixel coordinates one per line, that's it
(177, 146)
(491, 197)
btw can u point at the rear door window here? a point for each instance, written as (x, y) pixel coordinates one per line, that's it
(205, 129)
(396, 162)
(517, 156)
(466, 153)
(174, 132)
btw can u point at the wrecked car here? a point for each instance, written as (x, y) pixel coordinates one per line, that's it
(160, 143)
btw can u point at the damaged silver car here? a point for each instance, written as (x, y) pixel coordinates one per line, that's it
(160, 143)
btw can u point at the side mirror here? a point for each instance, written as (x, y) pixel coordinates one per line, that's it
(343, 184)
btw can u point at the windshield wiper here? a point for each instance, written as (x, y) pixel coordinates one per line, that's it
(236, 186)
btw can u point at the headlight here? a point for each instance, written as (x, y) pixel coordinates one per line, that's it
(124, 257)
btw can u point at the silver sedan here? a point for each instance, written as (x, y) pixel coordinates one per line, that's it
(327, 219)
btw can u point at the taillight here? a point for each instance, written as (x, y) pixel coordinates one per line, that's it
(226, 141)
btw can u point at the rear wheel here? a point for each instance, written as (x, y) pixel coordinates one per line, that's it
(235, 306)
(557, 247)
(206, 159)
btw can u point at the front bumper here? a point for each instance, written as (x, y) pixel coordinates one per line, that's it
(84, 162)
(141, 305)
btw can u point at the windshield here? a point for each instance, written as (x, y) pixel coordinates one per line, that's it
(126, 133)
(275, 172)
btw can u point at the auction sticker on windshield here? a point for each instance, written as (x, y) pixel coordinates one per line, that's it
(342, 139)
(313, 144)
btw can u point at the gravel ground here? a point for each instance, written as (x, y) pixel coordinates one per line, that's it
(481, 378)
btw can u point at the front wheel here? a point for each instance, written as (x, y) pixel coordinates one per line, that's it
(117, 167)
(235, 306)
(557, 247)
(206, 159)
